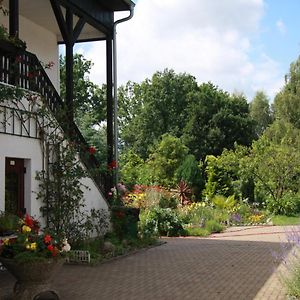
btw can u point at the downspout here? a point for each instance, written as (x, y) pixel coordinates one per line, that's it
(116, 135)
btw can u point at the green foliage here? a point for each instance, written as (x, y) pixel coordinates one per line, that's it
(191, 172)
(275, 160)
(8, 223)
(288, 205)
(89, 104)
(124, 221)
(131, 168)
(293, 282)
(165, 159)
(156, 106)
(286, 103)
(197, 231)
(281, 220)
(219, 177)
(260, 112)
(168, 202)
(61, 192)
(216, 121)
(160, 222)
(224, 203)
(213, 226)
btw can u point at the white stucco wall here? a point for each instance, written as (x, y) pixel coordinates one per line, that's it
(41, 42)
(30, 150)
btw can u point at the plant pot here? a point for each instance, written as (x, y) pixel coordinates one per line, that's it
(34, 278)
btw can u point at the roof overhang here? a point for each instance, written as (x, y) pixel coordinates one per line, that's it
(98, 14)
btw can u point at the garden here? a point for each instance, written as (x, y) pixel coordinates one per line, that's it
(194, 160)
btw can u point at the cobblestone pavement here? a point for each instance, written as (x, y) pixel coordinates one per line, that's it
(234, 265)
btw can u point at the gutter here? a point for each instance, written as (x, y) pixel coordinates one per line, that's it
(116, 135)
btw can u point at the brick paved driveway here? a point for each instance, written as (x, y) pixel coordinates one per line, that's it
(235, 265)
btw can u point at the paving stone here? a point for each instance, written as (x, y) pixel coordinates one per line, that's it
(233, 265)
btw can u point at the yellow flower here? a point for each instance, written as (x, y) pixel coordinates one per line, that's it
(31, 246)
(26, 229)
(6, 242)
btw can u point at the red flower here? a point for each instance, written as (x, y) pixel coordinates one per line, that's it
(55, 251)
(50, 248)
(47, 239)
(92, 150)
(28, 221)
(112, 165)
(120, 214)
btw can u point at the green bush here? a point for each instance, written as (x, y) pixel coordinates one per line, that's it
(197, 231)
(213, 226)
(288, 205)
(160, 222)
(168, 202)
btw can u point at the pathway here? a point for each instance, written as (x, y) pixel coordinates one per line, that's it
(234, 265)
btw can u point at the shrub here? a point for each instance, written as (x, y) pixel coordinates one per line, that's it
(288, 205)
(213, 226)
(196, 231)
(168, 202)
(160, 221)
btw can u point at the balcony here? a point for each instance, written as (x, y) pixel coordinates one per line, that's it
(22, 70)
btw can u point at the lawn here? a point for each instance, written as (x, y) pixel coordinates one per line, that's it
(286, 220)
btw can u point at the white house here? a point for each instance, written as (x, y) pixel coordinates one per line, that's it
(43, 25)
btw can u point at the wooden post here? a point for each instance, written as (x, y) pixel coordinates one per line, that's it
(109, 97)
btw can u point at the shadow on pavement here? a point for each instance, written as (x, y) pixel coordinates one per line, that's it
(180, 269)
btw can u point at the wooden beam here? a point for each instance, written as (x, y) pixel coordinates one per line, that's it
(14, 18)
(69, 66)
(60, 20)
(78, 28)
(109, 99)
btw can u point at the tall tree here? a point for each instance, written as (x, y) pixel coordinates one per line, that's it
(287, 101)
(260, 112)
(158, 106)
(216, 121)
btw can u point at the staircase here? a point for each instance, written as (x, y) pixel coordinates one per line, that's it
(23, 69)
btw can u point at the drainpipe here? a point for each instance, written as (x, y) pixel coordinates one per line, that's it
(116, 135)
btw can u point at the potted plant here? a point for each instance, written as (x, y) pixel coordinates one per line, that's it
(33, 257)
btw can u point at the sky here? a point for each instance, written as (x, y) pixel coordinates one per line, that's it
(239, 45)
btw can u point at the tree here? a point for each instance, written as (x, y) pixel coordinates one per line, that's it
(287, 101)
(190, 171)
(165, 159)
(216, 122)
(275, 160)
(260, 112)
(132, 166)
(89, 104)
(153, 108)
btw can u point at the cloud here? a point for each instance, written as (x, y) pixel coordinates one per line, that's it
(281, 27)
(211, 40)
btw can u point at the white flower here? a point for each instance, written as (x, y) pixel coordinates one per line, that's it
(66, 246)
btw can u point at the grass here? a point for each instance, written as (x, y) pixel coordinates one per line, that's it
(280, 220)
